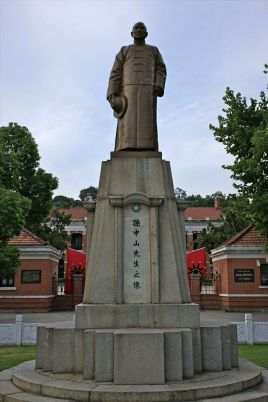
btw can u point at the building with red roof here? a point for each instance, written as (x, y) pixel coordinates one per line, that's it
(197, 219)
(31, 288)
(77, 229)
(242, 263)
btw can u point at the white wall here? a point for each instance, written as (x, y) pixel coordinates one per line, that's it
(21, 333)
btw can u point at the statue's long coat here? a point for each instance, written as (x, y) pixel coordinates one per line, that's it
(137, 70)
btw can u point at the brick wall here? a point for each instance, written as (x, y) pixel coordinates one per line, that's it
(253, 296)
(31, 297)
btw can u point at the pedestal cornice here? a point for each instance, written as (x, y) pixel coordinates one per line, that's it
(136, 154)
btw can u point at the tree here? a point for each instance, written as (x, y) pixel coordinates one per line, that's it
(20, 172)
(53, 230)
(236, 215)
(25, 190)
(89, 193)
(61, 201)
(243, 130)
(180, 194)
(197, 200)
(9, 260)
(13, 210)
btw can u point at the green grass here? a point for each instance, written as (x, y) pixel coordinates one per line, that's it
(12, 355)
(257, 354)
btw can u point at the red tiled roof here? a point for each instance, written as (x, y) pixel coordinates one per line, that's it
(202, 213)
(26, 238)
(247, 237)
(77, 213)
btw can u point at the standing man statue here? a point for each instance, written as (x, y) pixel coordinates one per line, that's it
(138, 76)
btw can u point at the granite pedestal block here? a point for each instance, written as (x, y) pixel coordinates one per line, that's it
(212, 348)
(117, 355)
(104, 356)
(173, 356)
(139, 357)
(137, 316)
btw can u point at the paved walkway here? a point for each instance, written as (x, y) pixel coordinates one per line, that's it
(206, 317)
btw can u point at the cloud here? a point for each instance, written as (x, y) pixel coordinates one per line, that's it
(54, 65)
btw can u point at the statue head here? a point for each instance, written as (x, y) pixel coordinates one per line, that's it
(139, 31)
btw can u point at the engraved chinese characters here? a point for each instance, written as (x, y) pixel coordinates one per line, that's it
(136, 255)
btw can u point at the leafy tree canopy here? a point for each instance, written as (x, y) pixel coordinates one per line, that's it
(13, 210)
(9, 260)
(197, 200)
(53, 230)
(25, 190)
(89, 193)
(243, 130)
(20, 172)
(61, 201)
(180, 193)
(236, 215)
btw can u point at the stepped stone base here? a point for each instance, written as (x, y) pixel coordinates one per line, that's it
(33, 385)
(137, 355)
(137, 316)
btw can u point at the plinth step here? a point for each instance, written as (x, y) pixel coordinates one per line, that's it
(249, 396)
(229, 384)
(26, 397)
(10, 393)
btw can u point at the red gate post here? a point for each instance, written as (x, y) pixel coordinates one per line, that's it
(78, 280)
(195, 287)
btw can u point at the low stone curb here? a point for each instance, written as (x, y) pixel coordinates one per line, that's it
(206, 385)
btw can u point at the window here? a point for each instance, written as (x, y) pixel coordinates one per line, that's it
(7, 281)
(76, 241)
(264, 274)
(30, 276)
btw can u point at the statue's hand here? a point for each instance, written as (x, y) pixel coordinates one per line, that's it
(118, 104)
(111, 100)
(158, 91)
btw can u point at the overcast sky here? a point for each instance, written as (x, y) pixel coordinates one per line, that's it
(55, 61)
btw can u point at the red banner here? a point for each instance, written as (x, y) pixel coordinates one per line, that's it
(76, 263)
(197, 260)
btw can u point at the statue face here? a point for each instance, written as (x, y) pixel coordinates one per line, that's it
(139, 31)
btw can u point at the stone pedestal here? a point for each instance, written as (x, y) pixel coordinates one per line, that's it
(137, 316)
(118, 355)
(136, 325)
(137, 249)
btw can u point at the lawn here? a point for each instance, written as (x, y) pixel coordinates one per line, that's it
(12, 355)
(257, 354)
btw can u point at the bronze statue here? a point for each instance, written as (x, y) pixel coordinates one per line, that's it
(137, 78)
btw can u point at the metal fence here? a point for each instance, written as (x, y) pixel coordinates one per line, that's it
(209, 285)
